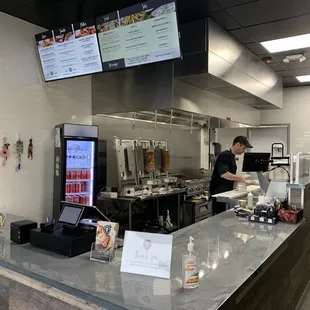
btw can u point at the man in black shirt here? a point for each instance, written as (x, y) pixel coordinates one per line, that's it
(224, 173)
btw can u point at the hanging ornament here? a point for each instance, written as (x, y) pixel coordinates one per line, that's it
(30, 149)
(19, 150)
(5, 153)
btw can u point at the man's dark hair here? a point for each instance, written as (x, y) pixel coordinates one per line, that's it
(243, 140)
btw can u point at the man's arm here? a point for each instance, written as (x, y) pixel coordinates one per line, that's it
(223, 170)
(237, 178)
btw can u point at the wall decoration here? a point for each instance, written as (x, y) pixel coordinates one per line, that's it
(30, 149)
(5, 152)
(19, 150)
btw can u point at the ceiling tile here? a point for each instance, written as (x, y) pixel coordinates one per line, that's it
(283, 73)
(295, 84)
(32, 12)
(213, 5)
(7, 5)
(281, 29)
(289, 80)
(243, 36)
(296, 72)
(225, 4)
(224, 20)
(256, 48)
(276, 66)
(265, 11)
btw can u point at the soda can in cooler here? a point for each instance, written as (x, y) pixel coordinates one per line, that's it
(74, 187)
(68, 174)
(84, 174)
(87, 200)
(83, 186)
(78, 187)
(67, 198)
(82, 199)
(70, 199)
(72, 174)
(88, 174)
(68, 188)
(78, 175)
(76, 199)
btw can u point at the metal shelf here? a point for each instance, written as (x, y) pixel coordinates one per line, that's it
(80, 180)
(80, 193)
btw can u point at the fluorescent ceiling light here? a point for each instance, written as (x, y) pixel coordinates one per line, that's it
(287, 44)
(303, 78)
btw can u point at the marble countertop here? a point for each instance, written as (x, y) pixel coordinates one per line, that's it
(230, 249)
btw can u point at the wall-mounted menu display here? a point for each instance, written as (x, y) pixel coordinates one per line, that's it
(69, 51)
(141, 34)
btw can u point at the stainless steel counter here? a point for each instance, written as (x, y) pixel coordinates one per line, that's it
(230, 250)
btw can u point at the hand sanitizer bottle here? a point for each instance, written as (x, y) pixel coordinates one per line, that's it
(190, 267)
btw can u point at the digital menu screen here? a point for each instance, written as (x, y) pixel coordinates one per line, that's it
(69, 51)
(141, 34)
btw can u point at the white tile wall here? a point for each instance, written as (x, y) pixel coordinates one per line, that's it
(32, 108)
(296, 111)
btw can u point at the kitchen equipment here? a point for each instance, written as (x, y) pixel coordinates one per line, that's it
(149, 161)
(165, 161)
(196, 186)
(196, 206)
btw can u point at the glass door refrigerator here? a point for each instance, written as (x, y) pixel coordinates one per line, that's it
(75, 165)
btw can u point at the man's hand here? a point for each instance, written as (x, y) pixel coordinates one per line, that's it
(246, 177)
(237, 178)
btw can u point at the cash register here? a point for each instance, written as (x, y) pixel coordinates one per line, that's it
(72, 234)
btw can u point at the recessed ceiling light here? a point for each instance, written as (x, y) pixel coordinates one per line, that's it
(303, 78)
(287, 44)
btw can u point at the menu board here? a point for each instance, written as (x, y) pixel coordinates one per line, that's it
(69, 51)
(141, 34)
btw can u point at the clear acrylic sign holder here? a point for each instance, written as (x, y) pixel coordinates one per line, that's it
(99, 255)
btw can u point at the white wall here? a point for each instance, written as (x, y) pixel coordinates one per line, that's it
(296, 111)
(32, 108)
(263, 138)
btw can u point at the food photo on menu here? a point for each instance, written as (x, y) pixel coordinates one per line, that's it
(46, 43)
(45, 39)
(148, 13)
(107, 26)
(64, 34)
(84, 32)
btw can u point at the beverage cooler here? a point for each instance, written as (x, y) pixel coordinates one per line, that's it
(75, 164)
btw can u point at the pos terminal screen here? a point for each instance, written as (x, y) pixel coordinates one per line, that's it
(70, 215)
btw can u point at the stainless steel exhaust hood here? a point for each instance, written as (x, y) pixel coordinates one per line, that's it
(216, 62)
(217, 78)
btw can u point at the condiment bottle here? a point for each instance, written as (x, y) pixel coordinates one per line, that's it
(190, 267)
